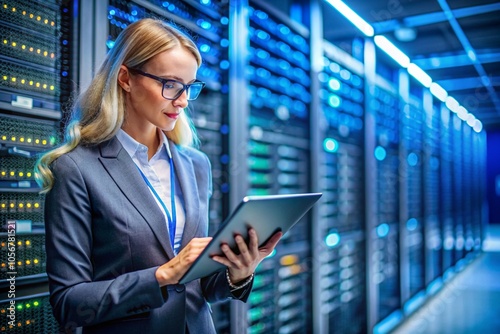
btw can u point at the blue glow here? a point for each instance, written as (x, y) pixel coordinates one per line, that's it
(412, 159)
(383, 230)
(262, 54)
(262, 35)
(224, 64)
(204, 24)
(165, 4)
(334, 84)
(64, 73)
(224, 20)
(224, 129)
(412, 224)
(171, 7)
(224, 159)
(284, 29)
(345, 74)
(356, 81)
(112, 12)
(334, 67)
(134, 12)
(224, 43)
(380, 153)
(330, 145)
(65, 42)
(323, 77)
(332, 239)
(204, 48)
(205, 2)
(261, 15)
(273, 253)
(110, 44)
(334, 101)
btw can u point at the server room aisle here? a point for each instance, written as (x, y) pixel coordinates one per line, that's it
(469, 303)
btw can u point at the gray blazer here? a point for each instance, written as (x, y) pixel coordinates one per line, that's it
(106, 236)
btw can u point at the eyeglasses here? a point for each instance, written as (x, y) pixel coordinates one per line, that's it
(172, 89)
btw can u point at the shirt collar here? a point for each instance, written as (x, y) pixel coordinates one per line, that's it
(132, 146)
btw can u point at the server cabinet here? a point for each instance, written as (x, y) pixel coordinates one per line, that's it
(277, 156)
(37, 69)
(411, 211)
(431, 191)
(458, 187)
(467, 195)
(385, 235)
(341, 219)
(446, 194)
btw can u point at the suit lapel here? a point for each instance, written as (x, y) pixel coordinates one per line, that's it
(125, 174)
(184, 171)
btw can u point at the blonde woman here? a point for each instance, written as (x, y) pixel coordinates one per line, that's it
(127, 198)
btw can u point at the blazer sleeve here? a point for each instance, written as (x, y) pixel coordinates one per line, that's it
(76, 299)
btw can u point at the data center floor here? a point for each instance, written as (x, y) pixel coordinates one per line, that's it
(469, 303)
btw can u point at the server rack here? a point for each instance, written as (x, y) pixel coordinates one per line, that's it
(341, 219)
(432, 226)
(36, 66)
(411, 218)
(457, 181)
(467, 194)
(386, 234)
(277, 73)
(446, 200)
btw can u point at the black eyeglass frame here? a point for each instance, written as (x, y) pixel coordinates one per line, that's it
(185, 87)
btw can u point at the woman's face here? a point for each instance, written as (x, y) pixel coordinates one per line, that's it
(146, 109)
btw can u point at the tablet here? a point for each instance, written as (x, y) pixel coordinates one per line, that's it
(266, 214)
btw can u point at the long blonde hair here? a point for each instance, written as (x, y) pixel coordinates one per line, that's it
(99, 112)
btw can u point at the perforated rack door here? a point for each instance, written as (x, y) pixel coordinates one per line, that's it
(33, 315)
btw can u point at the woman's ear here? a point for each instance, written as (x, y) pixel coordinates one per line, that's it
(124, 78)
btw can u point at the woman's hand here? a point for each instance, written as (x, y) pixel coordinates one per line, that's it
(243, 265)
(172, 271)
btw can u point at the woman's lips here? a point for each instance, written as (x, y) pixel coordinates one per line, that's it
(173, 115)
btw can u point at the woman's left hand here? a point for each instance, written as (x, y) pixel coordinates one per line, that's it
(243, 265)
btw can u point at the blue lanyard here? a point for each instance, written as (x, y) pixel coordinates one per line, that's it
(171, 222)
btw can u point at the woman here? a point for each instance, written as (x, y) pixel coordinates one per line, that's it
(126, 176)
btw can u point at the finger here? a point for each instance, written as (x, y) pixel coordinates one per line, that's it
(243, 248)
(271, 244)
(234, 261)
(221, 260)
(253, 243)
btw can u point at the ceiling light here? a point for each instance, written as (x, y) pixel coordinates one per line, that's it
(452, 104)
(355, 19)
(405, 34)
(438, 91)
(420, 75)
(389, 48)
(478, 126)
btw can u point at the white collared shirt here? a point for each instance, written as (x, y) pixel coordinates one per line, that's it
(157, 171)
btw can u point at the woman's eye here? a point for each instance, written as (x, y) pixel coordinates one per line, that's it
(169, 85)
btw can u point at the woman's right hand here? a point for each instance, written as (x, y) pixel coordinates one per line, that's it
(172, 271)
